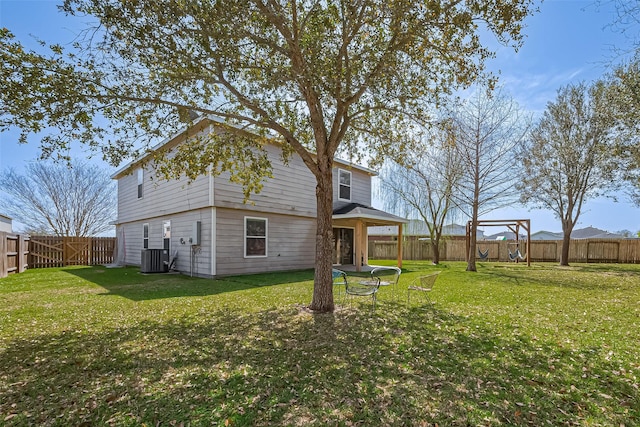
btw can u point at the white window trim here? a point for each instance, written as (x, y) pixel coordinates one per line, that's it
(266, 237)
(140, 185)
(340, 171)
(164, 223)
(146, 224)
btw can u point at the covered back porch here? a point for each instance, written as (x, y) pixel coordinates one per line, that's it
(350, 236)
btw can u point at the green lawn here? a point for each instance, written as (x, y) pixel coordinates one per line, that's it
(509, 345)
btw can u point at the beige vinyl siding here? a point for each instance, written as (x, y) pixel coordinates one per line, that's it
(160, 197)
(290, 191)
(360, 187)
(132, 235)
(181, 227)
(290, 243)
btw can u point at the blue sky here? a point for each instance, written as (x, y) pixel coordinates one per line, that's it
(567, 41)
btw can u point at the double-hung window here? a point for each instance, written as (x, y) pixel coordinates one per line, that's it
(255, 237)
(145, 236)
(344, 182)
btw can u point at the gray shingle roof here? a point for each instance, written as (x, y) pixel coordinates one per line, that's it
(357, 210)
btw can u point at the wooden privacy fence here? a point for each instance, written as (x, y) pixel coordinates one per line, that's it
(54, 251)
(623, 251)
(13, 253)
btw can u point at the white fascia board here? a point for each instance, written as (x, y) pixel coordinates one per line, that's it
(372, 217)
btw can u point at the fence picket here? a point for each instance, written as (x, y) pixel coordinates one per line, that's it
(54, 251)
(13, 253)
(623, 251)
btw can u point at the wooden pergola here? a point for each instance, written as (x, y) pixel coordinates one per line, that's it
(512, 224)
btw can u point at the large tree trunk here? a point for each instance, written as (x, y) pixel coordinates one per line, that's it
(566, 240)
(323, 283)
(471, 256)
(435, 246)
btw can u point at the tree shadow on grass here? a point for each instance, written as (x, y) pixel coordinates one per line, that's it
(131, 284)
(417, 366)
(581, 278)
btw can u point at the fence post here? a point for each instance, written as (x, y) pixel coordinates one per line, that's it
(21, 260)
(3, 254)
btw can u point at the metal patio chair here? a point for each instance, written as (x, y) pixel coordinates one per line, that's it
(363, 289)
(339, 280)
(387, 276)
(424, 285)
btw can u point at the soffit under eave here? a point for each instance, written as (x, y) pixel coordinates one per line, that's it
(369, 220)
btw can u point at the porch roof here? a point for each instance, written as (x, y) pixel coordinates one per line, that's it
(368, 214)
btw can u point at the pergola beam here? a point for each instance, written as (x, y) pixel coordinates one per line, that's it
(509, 223)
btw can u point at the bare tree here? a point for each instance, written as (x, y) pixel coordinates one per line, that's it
(65, 200)
(486, 130)
(569, 157)
(626, 22)
(421, 184)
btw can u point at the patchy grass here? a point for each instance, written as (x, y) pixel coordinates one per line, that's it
(509, 345)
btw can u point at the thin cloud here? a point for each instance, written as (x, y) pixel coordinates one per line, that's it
(534, 90)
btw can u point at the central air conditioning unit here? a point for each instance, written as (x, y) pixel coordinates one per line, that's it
(154, 261)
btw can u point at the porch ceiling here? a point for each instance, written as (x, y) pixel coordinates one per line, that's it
(367, 214)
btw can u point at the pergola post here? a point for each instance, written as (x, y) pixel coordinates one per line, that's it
(399, 245)
(528, 228)
(467, 242)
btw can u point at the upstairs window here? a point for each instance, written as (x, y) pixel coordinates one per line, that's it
(255, 237)
(140, 182)
(344, 179)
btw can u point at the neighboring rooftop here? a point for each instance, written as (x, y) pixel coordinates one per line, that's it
(580, 233)
(505, 235)
(593, 233)
(417, 227)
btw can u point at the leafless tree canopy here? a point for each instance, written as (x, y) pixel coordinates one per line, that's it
(75, 200)
(421, 184)
(487, 129)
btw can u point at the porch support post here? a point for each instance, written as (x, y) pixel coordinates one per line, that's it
(358, 246)
(365, 244)
(399, 245)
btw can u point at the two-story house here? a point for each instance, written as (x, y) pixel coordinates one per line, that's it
(211, 232)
